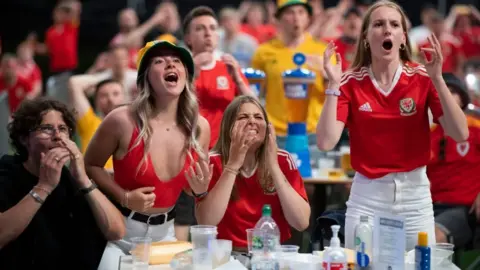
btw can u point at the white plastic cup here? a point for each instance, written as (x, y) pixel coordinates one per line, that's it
(203, 237)
(141, 247)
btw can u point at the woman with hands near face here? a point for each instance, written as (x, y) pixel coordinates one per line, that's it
(42, 203)
(249, 171)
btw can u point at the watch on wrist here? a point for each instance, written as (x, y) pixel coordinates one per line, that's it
(201, 195)
(86, 190)
(333, 92)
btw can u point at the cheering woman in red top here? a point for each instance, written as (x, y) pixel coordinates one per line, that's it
(248, 172)
(154, 142)
(383, 101)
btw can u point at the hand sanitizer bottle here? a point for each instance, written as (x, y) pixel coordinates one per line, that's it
(335, 258)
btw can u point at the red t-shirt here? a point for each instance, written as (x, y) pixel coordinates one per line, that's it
(455, 179)
(31, 72)
(244, 212)
(389, 131)
(62, 47)
(470, 42)
(261, 33)
(215, 90)
(16, 92)
(346, 51)
(451, 50)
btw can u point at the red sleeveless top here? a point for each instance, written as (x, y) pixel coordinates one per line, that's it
(130, 177)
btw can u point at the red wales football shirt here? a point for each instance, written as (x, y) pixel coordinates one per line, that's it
(454, 170)
(215, 90)
(16, 92)
(243, 212)
(389, 130)
(62, 47)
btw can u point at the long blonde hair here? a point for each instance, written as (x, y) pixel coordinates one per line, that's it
(187, 117)
(363, 56)
(222, 146)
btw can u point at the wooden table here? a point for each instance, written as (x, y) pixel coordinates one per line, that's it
(328, 181)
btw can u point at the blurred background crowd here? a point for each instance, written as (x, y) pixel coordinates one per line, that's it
(64, 48)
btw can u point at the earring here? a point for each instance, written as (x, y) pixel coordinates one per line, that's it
(402, 47)
(365, 43)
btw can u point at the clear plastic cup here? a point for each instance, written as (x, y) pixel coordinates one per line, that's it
(140, 251)
(254, 237)
(202, 241)
(443, 251)
(222, 250)
(286, 254)
(288, 249)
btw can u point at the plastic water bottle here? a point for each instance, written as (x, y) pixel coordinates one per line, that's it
(265, 259)
(363, 243)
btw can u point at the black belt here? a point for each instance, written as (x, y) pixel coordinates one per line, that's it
(151, 220)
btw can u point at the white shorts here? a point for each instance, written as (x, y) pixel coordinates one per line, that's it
(405, 194)
(113, 250)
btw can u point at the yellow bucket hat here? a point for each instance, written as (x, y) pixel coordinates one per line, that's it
(154, 47)
(282, 4)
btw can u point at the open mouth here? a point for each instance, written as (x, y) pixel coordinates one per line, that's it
(387, 45)
(253, 131)
(171, 77)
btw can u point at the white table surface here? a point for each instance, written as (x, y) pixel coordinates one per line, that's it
(127, 264)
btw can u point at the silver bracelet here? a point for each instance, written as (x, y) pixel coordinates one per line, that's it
(333, 92)
(36, 197)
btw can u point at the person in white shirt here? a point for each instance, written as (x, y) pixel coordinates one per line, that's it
(232, 41)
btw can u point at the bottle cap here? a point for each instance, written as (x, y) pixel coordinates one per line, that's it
(363, 218)
(267, 210)
(422, 239)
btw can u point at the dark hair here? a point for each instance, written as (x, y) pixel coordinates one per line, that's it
(29, 115)
(194, 13)
(102, 83)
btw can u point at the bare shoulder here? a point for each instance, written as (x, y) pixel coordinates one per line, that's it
(119, 120)
(204, 127)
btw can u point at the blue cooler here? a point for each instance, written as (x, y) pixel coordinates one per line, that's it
(297, 83)
(256, 79)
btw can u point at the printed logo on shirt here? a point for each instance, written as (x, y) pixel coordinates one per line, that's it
(365, 107)
(462, 148)
(407, 107)
(222, 83)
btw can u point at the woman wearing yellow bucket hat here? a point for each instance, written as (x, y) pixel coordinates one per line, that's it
(164, 116)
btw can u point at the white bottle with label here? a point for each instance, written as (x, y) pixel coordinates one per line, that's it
(363, 244)
(335, 257)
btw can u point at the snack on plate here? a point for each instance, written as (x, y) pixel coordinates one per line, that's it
(163, 252)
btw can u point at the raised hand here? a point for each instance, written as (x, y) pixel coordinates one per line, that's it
(199, 178)
(241, 141)
(77, 166)
(434, 64)
(51, 165)
(272, 156)
(232, 65)
(141, 199)
(334, 72)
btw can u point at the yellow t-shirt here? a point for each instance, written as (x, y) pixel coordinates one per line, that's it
(274, 58)
(87, 124)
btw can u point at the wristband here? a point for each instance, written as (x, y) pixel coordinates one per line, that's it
(43, 189)
(332, 92)
(230, 170)
(89, 189)
(36, 197)
(199, 196)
